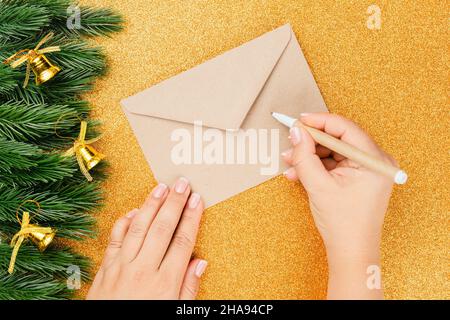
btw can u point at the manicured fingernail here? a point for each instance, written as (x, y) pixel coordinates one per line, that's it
(289, 174)
(304, 114)
(132, 213)
(286, 154)
(194, 200)
(295, 135)
(159, 191)
(200, 268)
(181, 185)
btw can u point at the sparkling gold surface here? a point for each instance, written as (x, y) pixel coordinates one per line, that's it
(393, 81)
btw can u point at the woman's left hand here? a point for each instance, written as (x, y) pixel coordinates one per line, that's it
(149, 254)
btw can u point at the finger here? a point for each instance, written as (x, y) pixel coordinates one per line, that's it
(337, 157)
(329, 163)
(141, 222)
(161, 231)
(343, 129)
(95, 284)
(307, 164)
(118, 234)
(323, 152)
(191, 282)
(183, 241)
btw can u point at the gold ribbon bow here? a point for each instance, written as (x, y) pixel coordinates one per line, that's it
(78, 145)
(23, 55)
(25, 231)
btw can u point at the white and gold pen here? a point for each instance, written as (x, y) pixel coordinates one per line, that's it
(350, 152)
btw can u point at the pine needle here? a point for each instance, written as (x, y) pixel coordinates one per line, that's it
(53, 262)
(50, 126)
(32, 287)
(24, 165)
(18, 22)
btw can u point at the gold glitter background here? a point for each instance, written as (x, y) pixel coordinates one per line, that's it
(263, 244)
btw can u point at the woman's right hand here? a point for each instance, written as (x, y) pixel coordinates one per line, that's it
(348, 202)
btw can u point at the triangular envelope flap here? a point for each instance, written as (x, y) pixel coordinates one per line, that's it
(219, 92)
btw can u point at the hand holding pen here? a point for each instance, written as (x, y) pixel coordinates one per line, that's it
(347, 200)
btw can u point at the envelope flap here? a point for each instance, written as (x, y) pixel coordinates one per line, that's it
(219, 92)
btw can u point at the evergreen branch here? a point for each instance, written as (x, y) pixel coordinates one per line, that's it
(32, 287)
(25, 165)
(55, 205)
(15, 155)
(77, 56)
(98, 173)
(54, 261)
(29, 95)
(80, 65)
(53, 92)
(8, 82)
(77, 227)
(19, 21)
(54, 8)
(95, 22)
(31, 122)
(63, 206)
(30, 115)
(49, 126)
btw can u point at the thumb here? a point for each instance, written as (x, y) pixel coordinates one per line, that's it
(306, 162)
(191, 283)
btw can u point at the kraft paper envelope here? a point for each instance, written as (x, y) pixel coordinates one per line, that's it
(232, 97)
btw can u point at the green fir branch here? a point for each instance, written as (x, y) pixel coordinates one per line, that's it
(94, 21)
(54, 261)
(32, 286)
(19, 21)
(80, 64)
(24, 165)
(27, 120)
(8, 81)
(65, 209)
(55, 205)
(79, 226)
(49, 126)
(54, 7)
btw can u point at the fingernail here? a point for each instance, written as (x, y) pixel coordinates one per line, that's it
(159, 191)
(289, 174)
(286, 154)
(132, 213)
(194, 200)
(181, 185)
(295, 135)
(304, 114)
(200, 268)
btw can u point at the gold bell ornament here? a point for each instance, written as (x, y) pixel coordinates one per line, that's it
(40, 236)
(41, 239)
(91, 157)
(87, 157)
(42, 68)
